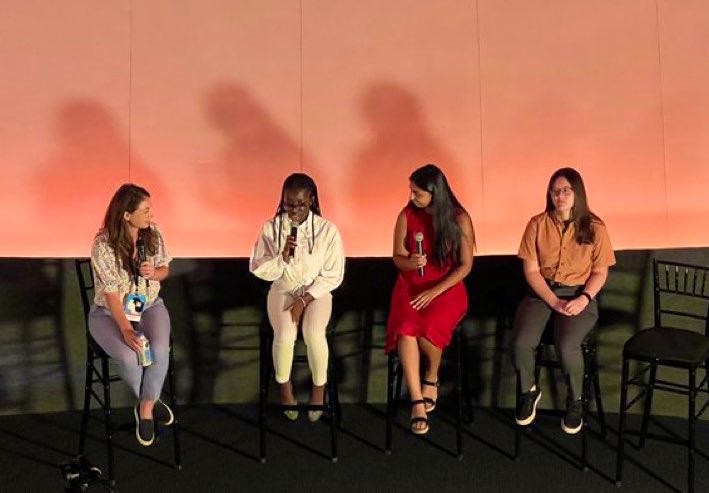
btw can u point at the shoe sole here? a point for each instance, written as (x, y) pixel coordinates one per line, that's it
(527, 421)
(172, 416)
(291, 415)
(571, 431)
(137, 434)
(420, 431)
(314, 416)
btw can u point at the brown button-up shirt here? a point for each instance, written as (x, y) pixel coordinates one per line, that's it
(561, 259)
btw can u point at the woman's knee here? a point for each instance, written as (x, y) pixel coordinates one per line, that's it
(314, 337)
(285, 337)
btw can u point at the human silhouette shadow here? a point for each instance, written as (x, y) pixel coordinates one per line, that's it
(399, 141)
(91, 159)
(243, 180)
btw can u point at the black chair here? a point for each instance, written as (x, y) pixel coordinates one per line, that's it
(546, 357)
(463, 398)
(331, 401)
(678, 339)
(97, 372)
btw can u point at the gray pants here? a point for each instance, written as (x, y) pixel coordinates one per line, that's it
(155, 324)
(569, 332)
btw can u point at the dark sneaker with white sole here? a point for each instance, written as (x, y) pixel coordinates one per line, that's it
(527, 407)
(163, 414)
(144, 429)
(572, 422)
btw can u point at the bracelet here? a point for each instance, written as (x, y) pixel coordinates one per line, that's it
(305, 305)
(587, 295)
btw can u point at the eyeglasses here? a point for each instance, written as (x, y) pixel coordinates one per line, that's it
(289, 206)
(566, 191)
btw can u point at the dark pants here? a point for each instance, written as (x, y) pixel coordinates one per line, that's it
(569, 332)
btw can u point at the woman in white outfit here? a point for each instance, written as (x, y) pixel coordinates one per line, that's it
(305, 268)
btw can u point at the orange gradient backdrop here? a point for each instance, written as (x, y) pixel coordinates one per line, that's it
(211, 105)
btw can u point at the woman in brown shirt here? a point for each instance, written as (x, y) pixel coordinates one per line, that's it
(566, 253)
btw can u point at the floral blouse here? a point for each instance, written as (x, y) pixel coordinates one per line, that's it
(110, 278)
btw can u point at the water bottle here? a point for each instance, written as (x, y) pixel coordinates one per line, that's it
(145, 355)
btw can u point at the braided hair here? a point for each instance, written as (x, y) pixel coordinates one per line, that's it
(297, 181)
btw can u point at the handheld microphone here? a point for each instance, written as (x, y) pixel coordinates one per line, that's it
(419, 248)
(141, 249)
(142, 257)
(294, 234)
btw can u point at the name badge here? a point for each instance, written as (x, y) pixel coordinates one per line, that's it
(133, 306)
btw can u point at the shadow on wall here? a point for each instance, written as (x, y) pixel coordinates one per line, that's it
(219, 307)
(34, 369)
(90, 161)
(399, 142)
(244, 180)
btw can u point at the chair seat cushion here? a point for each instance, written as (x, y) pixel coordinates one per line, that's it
(670, 346)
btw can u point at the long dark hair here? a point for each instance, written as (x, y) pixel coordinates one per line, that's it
(581, 215)
(126, 199)
(297, 181)
(444, 208)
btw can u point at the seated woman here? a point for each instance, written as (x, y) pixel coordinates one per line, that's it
(302, 254)
(433, 250)
(566, 253)
(129, 260)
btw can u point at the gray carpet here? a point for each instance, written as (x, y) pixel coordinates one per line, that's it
(220, 453)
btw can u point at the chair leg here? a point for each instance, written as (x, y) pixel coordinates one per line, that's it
(336, 403)
(467, 394)
(87, 401)
(390, 403)
(173, 403)
(648, 403)
(399, 382)
(108, 420)
(263, 394)
(692, 428)
(585, 393)
(597, 393)
(333, 419)
(458, 394)
(621, 423)
(337, 409)
(518, 428)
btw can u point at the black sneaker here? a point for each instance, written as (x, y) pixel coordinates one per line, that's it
(144, 429)
(573, 419)
(527, 407)
(163, 414)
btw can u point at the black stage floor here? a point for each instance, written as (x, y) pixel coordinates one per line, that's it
(220, 453)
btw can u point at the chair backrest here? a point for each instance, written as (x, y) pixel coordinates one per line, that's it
(681, 294)
(86, 285)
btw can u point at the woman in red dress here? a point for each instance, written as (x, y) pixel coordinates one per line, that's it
(429, 297)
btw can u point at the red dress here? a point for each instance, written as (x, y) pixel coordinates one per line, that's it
(437, 321)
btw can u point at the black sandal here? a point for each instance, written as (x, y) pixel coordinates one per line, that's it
(419, 419)
(429, 403)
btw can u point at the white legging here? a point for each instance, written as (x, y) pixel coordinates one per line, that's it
(314, 324)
